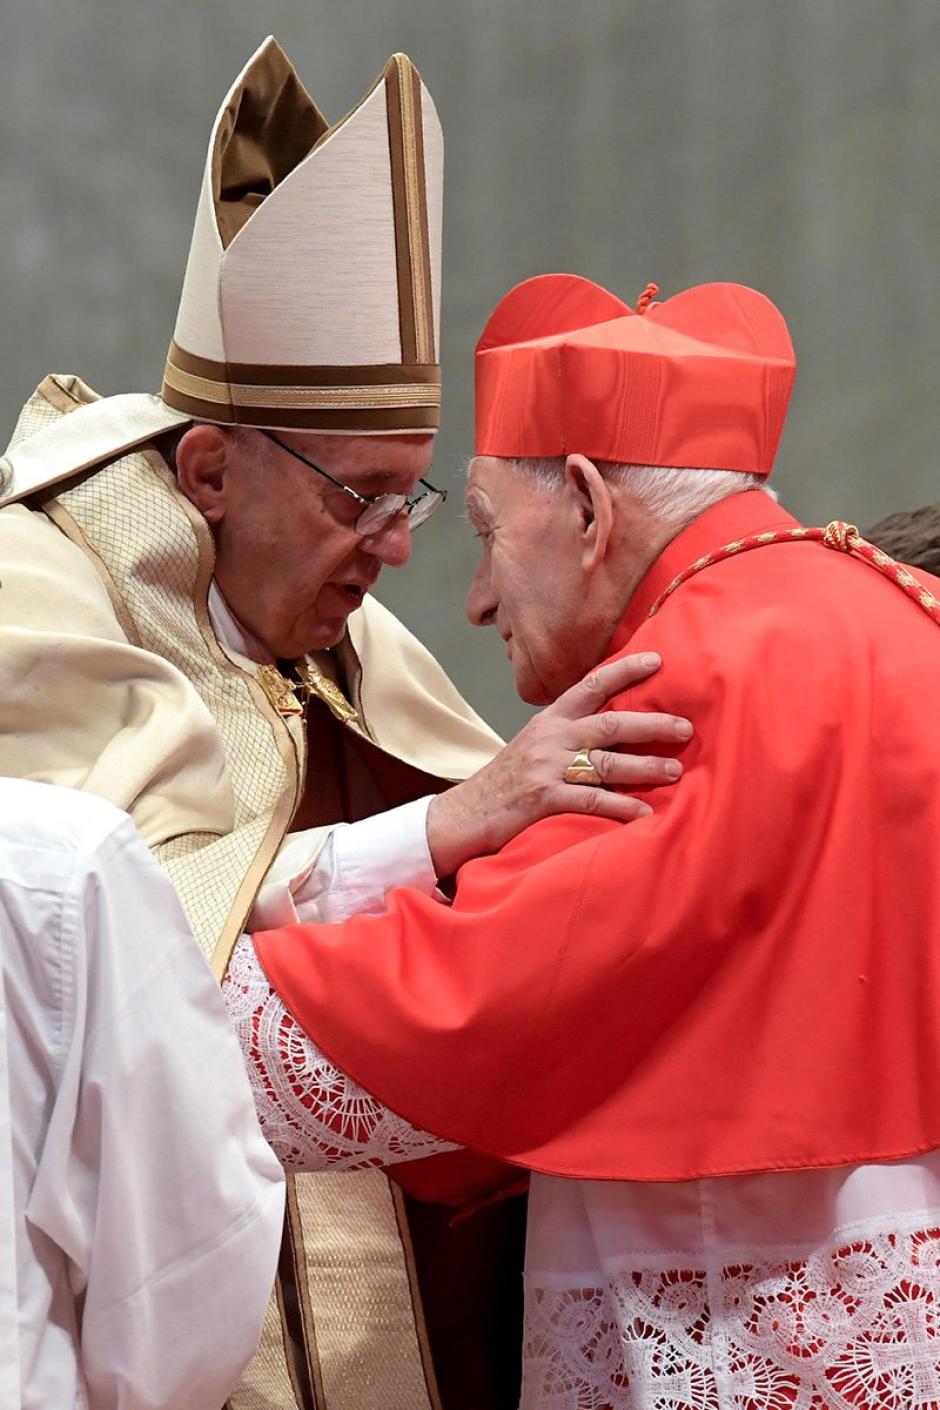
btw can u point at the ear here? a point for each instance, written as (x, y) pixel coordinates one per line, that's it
(595, 505)
(204, 457)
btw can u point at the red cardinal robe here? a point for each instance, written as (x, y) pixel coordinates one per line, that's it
(747, 980)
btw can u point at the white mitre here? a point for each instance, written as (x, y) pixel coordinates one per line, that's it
(312, 293)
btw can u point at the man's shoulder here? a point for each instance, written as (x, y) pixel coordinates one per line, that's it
(65, 428)
(787, 618)
(56, 396)
(800, 589)
(48, 584)
(75, 827)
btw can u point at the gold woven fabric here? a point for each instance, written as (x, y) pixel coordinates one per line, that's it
(158, 554)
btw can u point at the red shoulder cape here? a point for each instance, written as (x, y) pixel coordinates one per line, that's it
(747, 980)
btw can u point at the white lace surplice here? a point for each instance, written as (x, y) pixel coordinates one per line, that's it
(313, 1115)
(814, 1290)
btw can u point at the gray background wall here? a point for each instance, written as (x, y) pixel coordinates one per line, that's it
(791, 144)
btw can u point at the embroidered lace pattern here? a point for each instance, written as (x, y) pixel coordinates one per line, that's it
(313, 1116)
(853, 1327)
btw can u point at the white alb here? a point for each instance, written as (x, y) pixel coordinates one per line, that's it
(140, 1209)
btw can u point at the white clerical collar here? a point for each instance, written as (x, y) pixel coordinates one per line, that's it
(236, 640)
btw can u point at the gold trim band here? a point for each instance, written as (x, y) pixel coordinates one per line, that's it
(409, 204)
(278, 374)
(365, 397)
(416, 210)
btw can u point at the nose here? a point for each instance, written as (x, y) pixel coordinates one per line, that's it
(481, 603)
(392, 544)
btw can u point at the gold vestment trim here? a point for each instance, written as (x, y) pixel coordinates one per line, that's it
(412, 149)
(279, 690)
(314, 682)
(304, 398)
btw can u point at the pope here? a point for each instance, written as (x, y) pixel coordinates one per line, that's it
(710, 1037)
(187, 630)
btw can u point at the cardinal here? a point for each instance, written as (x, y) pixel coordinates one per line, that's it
(708, 1039)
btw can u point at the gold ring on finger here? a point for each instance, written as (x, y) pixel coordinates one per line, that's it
(581, 770)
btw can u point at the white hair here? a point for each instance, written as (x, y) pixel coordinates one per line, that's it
(672, 496)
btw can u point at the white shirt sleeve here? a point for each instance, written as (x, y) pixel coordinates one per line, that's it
(154, 1178)
(319, 881)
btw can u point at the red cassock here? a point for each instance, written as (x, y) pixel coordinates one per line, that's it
(747, 980)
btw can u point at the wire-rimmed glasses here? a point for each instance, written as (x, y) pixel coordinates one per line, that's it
(378, 510)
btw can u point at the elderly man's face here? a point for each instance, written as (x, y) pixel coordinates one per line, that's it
(533, 582)
(288, 560)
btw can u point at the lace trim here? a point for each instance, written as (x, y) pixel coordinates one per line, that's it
(853, 1327)
(312, 1115)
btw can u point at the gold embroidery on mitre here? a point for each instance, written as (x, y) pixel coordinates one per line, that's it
(413, 146)
(279, 691)
(410, 209)
(314, 682)
(367, 396)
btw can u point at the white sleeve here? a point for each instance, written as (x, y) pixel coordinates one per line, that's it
(326, 876)
(154, 1178)
(314, 1116)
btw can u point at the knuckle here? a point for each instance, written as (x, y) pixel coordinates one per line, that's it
(592, 801)
(603, 763)
(532, 794)
(608, 725)
(592, 682)
(546, 765)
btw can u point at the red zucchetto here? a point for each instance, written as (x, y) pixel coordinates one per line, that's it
(701, 380)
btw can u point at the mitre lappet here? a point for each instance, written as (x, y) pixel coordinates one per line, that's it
(311, 299)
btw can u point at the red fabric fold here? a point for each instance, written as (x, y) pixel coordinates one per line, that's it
(747, 980)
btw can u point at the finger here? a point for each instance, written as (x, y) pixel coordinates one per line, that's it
(633, 727)
(634, 770)
(620, 807)
(589, 694)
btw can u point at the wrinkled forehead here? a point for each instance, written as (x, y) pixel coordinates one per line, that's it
(481, 492)
(371, 464)
(391, 450)
(500, 488)
(490, 476)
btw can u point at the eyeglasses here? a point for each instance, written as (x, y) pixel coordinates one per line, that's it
(378, 510)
